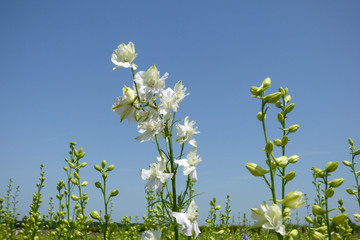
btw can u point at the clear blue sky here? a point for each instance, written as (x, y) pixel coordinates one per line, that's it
(57, 86)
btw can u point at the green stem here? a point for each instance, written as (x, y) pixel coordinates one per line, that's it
(327, 210)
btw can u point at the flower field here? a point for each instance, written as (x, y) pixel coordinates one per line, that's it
(172, 212)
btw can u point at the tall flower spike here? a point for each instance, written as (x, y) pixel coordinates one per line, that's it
(188, 221)
(124, 56)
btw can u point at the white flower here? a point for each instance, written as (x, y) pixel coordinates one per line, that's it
(151, 235)
(190, 164)
(185, 132)
(155, 175)
(125, 105)
(269, 217)
(150, 128)
(168, 101)
(188, 220)
(180, 91)
(124, 56)
(150, 82)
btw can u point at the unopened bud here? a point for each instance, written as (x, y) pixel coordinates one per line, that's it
(277, 142)
(284, 140)
(309, 219)
(273, 98)
(346, 163)
(98, 168)
(336, 182)
(259, 116)
(76, 174)
(357, 152)
(280, 117)
(110, 168)
(104, 175)
(83, 165)
(266, 83)
(95, 215)
(317, 236)
(74, 198)
(256, 170)
(293, 159)
(329, 192)
(290, 107)
(103, 163)
(290, 176)
(278, 104)
(294, 233)
(288, 98)
(254, 90)
(218, 207)
(84, 183)
(269, 147)
(340, 218)
(282, 161)
(317, 210)
(318, 172)
(98, 185)
(351, 142)
(331, 166)
(351, 191)
(293, 128)
(114, 193)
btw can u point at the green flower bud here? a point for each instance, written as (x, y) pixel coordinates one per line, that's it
(290, 107)
(293, 128)
(256, 170)
(76, 174)
(104, 175)
(266, 83)
(309, 219)
(74, 198)
(71, 165)
(110, 168)
(294, 233)
(114, 193)
(76, 152)
(315, 235)
(98, 185)
(259, 116)
(280, 117)
(351, 142)
(103, 164)
(95, 215)
(331, 166)
(72, 144)
(84, 183)
(293, 200)
(83, 165)
(282, 161)
(356, 217)
(277, 142)
(293, 159)
(284, 140)
(278, 104)
(98, 168)
(65, 169)
(282, 91)
(351, 191)
(273, 98)
(357, 152)
(269, 147)
(254, 90)
(290, 176)
(340, 218)
(346, 163)
(218, 207)
(107, 217)
(317, 210)
(336, 182)
(74, 181)
(329, 192)
(85, 196)
(318, 172)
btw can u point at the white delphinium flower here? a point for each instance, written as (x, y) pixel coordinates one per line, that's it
(190, 164)
(155, 175)
(124, 56)
(125, 105)
(151, 235)
(168, 101)
(269, 217)
(185, 132)
(180, 91)
(149, 82)
(188, 220)
(149, 128)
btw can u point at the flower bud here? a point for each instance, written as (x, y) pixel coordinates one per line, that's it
(277, 142)
(256, 170)
(104, 175)
(336, 182)
(288, 98)
(293, 200)
(329, 192)
(357, 152)
(315, 235)
(290, 176)
(254, 90)
(351, 191)
(103, 164)
(282, 91)
(259, 116)
(76, 174)
(331, 166)
(351, 142)
(317, 210)
(269, 147)
(98, 168)
(95, 215)
(290, 107)
(74, 181)
(84, 183)
(98, 185)
(346, 163)
(278, 104)
(284, 140)
(280, 117)
(83, 165)
(293, 128)
(65, 168)
(293, 159)
(71, 165)
(114, 193)
(309, 219)
(273, 98)
(218, 207)
(282, 161)
(74, 198)
(339, 219)
(294, 233)
(110, 168)
(128, 92)
(266, 83)
(318, 172)
(356, 217)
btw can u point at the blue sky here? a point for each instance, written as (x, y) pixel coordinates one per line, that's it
(57, 86)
